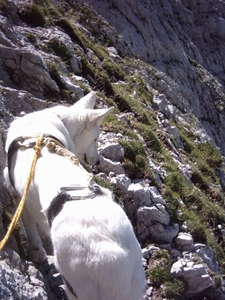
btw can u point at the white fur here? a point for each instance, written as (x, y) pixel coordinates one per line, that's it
(97, 252)
(78, 128)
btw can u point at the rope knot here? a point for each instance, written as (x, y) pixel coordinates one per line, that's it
(74, 159)
(51, 145)
(37, 146)
(37, 150)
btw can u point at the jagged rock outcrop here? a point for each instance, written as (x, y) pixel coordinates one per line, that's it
(183, 69)
(183, 40)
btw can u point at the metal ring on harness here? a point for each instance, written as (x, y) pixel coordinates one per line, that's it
(94, 188)
(57, 203)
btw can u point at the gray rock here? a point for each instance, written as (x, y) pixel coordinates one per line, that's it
(22, 63)
(156, 197)
(107, 166)
(174, 133)
(163, 104)
(196, 268)
(6, 33)
(153, 224)
(206, 253)
(14, 101)
(113, 151)
(66, 82)
(184, 242)
(149, 215)
(178, 64)
(148, 251)
(196, 276)
(140, 194)
(122, 182)
(14, 284)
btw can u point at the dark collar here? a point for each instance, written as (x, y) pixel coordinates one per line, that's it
(15, 145)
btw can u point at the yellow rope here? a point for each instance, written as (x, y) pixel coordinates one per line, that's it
(58, 148)
(19, 210)
(54, 146)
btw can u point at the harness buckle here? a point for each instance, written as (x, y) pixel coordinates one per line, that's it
(94, 188)
(64, 196)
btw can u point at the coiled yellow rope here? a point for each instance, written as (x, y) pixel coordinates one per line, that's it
(19, 210)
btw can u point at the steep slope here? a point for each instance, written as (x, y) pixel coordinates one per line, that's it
(161, 66)
(185, 41)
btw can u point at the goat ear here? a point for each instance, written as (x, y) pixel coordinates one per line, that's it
(97, 115)
(87, 101)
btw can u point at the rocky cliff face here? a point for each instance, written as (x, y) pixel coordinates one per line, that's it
(185, 41)
(161, 64)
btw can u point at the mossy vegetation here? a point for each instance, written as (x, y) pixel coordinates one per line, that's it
(113, 70)
(198, 200)
(150, 138)
(174, 289)
(53, 70)
(33, 14)
(106, 184)
(31, 38)
(60, 49)
(71, 30)
(135, 163)
(159, 275)
(103, 83)
(4, 7)
(112, 123)
(39, 13)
